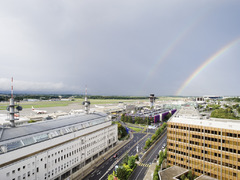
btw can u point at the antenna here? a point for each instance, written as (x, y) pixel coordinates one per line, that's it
(13, 115)
(86, 103)
(12, 88)
(86, 91)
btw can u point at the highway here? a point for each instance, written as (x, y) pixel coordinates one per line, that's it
(107, 167)
(141, 169)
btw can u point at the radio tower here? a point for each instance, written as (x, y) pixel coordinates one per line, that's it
(13, 115)
(86, 103)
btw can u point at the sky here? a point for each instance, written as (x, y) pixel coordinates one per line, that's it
(127, 47)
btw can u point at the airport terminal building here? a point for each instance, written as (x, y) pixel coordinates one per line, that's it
(209, 147)
(54, 149)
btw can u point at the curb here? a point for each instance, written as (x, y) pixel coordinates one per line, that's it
(165, 131)
(100, 159)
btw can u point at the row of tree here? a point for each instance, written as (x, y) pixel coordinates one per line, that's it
(223, 113)
(118, 97)
(122, 132)
(233, 99)
(155, 136)
(162, 156)
(20, 97)
(136, 120)
(188, 176)
(124, 171)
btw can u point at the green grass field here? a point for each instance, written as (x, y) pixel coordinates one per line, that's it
(135, 129)
(43, 104)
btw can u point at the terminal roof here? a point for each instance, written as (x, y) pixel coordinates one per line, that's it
(48, 125)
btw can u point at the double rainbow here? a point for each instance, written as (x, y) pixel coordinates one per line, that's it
(205, 64)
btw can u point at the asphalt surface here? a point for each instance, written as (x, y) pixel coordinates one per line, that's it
(141, 169)
(101, 172)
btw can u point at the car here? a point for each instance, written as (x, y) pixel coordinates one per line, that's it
(115, 156)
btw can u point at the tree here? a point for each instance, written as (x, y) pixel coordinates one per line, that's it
(147, 144)
(183, 177)
(131, 162)
(122, 132)
(125, 159)
(161, 157)
(130, 120)
(110, 177)
(123, 172)
(136, 157)
(165, 154)
(122, 117)
(190, 175)
(153, 137)
(155, 174)
(167, 117)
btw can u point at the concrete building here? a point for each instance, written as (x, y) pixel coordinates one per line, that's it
(55, 149)
(209, 147)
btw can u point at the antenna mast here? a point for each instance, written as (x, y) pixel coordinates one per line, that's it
(13, 115)
(86, 103)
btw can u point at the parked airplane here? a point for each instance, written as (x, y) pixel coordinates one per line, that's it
(99, 106)
(39, 111)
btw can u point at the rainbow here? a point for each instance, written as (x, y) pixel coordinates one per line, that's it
(174, 44)
(205, 64)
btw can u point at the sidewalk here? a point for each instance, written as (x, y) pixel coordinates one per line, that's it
(149, 174)
(84, 171)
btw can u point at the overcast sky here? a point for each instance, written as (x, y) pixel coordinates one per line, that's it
(127, 47)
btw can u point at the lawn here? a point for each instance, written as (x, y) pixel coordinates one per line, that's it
(135, 129)
(43, 104)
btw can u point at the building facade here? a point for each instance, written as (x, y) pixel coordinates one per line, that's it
(54, 149)
(206, 146)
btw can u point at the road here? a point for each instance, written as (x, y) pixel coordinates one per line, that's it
(141, 169)
(107, 167)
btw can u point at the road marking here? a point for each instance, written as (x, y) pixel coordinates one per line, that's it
(149, 158)
(140, 173)
(121, 157)
(143, 165)
(157, 148)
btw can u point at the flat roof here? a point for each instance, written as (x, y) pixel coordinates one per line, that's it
(172, 172)
(25, 135)
(43, 126)
(204, 177)
(175, 171)
(191, 116)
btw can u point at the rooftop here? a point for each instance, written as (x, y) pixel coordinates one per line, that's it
(17, 137)
(204, 177)
(172, 172)
(176, 171)
(189, 115)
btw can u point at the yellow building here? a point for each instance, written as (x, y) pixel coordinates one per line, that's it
(206, 146)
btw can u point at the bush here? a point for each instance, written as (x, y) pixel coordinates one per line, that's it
(155, 174)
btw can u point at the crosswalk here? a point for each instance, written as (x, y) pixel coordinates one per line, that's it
(143, 165)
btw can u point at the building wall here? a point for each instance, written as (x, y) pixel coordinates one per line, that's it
(58, 159)
(211, 151)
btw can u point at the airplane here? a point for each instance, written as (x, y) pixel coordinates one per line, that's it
(39, 111)
(99, 106)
